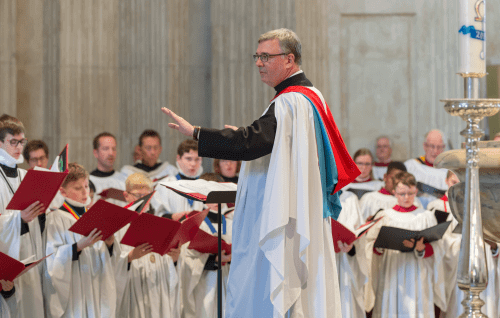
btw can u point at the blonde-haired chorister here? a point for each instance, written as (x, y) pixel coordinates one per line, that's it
(406, 284)
(146, 282)
(79, 279)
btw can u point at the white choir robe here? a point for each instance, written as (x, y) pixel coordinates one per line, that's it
(77, 289)
(165, 169)
(428, 175)
(378, 172)
(198, 287)
(4, 308)
(117, 181)
(405, 285)
(166, 201)
(283, 255)
(373, 201)
(454, 295)
(150, 288)
(352, 270)
(27, 301)
(373, 185)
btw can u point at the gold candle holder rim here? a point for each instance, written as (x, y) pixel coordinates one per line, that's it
(472, 75)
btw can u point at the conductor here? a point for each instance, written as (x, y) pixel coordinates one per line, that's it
(295, 161)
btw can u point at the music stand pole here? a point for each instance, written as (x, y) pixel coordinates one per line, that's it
(219, 267)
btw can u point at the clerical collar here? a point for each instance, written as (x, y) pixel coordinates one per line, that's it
(143, 167)
(424, 161)
(73, 208)
(233, 179)
(401, 209)
(9, 172)
(384, 191)
(294, 80)
(101, 174)
(381, 164)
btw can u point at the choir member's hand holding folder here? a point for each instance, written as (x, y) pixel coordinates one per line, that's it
(343, 234)
(206, 243)
(393, 237)
(198, 189)
(162, 233)
(38, 185)
(11, 268)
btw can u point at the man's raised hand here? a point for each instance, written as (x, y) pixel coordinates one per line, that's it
(31, 212)
(93, 237)
(139, 251)
(181, 124)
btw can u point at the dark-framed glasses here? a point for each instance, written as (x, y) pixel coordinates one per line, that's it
(264, 57)
(16, 142)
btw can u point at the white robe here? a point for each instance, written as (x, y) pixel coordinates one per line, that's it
(352, 270)
(4, 308)
(405, 285)
(283, 256)
(165, 169)
(373, 201)
(428, 175)
(198, 287)
(117, 181)
(27, 301)
(378, 172)
(454, 295)
(370, 186)
(167, 201)
(150, 288)
(76, 289)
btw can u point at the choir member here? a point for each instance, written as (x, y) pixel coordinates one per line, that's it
(364, 182)
(351, 261)
(452, 241)
(147, 283)
(431, 181)
(198, 271)
(7, 292)
(166, 202)
(282, 255)
(79, 279)
(384, 198)
(150, 148)
(20, 231)
(383, 152)
(36, 153)
(105, 176)
(227, 169)
(406, 284)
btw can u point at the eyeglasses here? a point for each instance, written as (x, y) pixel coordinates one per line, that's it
(435, 147)
(366, 164)
(15, 142)
(37, 159)
(264, 57)
(406, 194)
(138, 195)
(383, 146)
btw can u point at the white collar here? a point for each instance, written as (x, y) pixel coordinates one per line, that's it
(78, 204)
(8, 160)
(197, 175)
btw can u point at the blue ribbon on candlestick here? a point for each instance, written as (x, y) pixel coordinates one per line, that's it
(475, 34)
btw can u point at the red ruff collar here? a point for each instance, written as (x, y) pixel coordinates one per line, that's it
(384, 191)
(381, 164)
(427, 163)
(362, 181)
(401, 209)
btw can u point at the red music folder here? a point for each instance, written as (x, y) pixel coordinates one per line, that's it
(343, 234)
(206, 243)
(11, 268)
(113, 193)
(164, 234)
(37, 185)
(105, 216)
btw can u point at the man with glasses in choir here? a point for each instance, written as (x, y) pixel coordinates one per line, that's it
(36, 154)
(383, 152)
(430, 181)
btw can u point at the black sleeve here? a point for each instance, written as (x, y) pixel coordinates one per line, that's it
(8, 294)
(128, 266)
(211, 264)
(246, 144)
(167, 216)
(24, 228)
(76, 254)
(41, 219)
(352, 252)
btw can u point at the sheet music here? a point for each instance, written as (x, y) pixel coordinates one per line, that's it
(200, 186)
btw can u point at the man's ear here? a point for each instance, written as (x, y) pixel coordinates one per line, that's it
(63, 191)
(95, 153)
(177, 157)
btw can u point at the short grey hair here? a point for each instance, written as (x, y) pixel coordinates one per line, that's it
(289, 42)
(443, 136)
(382, 137)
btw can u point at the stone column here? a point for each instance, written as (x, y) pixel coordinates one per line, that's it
(8, 73)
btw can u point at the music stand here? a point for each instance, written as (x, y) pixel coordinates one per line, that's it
(218, 197)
